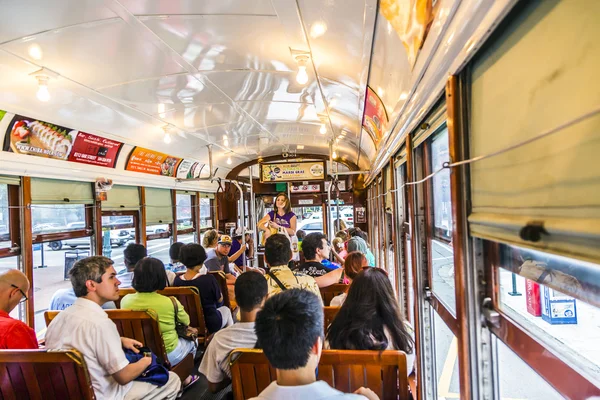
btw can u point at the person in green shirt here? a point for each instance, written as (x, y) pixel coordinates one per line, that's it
(149, 276)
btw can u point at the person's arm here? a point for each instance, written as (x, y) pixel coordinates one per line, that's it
(330, 278)
(368, 393)
(132, 371)
(237, 254)
(337, 256)
(262, 224)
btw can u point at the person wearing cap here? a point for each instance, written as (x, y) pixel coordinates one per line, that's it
(218, 258)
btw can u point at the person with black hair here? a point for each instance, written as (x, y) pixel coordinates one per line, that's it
(149, 276)
(251, 291)
(216, 315)
(175, 265)
(289, 329)
(133, 253)
(280, 277)
(370, 318)
(316, 249)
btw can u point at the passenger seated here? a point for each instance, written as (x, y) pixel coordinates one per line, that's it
(250, 292)
(278, 254)
(217, 259)
(340, 249)
(14, 334)
(300, 234)
(85, 327)
(216, 315)
(148, 277)
(355, 262)
(131, 255)
(357, 243)
(290, 331)
(370, 318)
(175, 265)
(64, 298)
(316, 249)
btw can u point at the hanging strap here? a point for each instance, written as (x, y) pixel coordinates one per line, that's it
(281, 285)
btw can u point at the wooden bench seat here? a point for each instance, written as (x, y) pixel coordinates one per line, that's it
(329, 314)
(346, 370)
(329, 292)
(38, 374)
(143, 327)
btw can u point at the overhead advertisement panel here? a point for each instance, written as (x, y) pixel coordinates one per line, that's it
(152, 162)
(26, 135)
(286, 172)
(189, 169)
(375, 118)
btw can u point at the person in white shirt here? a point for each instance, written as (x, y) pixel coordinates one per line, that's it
(251, 291)
(85, 326)
(289, 329)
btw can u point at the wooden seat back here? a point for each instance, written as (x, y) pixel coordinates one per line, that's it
(189, 297)
(143, 327)
(222, 281)
(329, 314)
(37, 374)
(346, 370)
(329, 292)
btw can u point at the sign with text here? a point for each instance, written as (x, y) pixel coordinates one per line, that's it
(152, 162)
(95, 150)
(189, 169)
(299, 171)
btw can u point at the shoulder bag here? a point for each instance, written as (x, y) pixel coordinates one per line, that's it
(183, 331)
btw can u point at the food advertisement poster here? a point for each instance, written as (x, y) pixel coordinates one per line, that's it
(189, 169)
(39, 138)
(152, 162)
(286, 172)
(375, 118)
(411, 20)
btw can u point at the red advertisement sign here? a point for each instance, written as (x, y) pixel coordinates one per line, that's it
(532, 294)
(95, 150)
(375, 118)
(152, 162)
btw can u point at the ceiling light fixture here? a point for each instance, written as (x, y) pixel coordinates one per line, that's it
(302, 76)
(323, 129)
(229, 160)
(300, 147)
(35, 51)
(167, 136)
(318, 29)
(334, 154)
(43, 94)
(161, 110)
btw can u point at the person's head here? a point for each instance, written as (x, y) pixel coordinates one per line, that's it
(300, 234)
(251, 290)
(342, 235)
(174, 251)
(282, 202)
(357, 232)
(289, 329)
(133, 253)
(224, 245)
(357, 244)
(338, 244)
(149, 275)
(340, 225)
(210, 239)
(369, 309)
(192, 255)
(278, 250)
(95, 278)
(354, 263)
(315, 246)
(13, 289)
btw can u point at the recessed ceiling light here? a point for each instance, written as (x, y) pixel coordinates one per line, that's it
(318, 29)
(35, 51)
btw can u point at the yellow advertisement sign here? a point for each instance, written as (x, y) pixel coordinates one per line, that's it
(288, 172)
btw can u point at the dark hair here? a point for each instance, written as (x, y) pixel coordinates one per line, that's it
(288, 204)
(149, 275)
(191, 255)
(88, 269)
(278, 250)
(370, 307)
(300, 234)
(174, 251)
(288, 326)
(358, 232)
(250, 290)
(311, 243)
(133, 253)
(353, 264)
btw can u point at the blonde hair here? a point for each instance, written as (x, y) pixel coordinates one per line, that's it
(337, 242)
(210, 238)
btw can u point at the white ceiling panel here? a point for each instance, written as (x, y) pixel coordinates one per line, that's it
(215, 42)
(196, 118)
(28, 17)
(161, 7)
(280, 111)
(97, 54)
(263, 86)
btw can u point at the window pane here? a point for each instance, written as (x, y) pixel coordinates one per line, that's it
(518, 381)
(184, 212)
(51, 263)
(566, 325)
(446, 360)
(4, 218)
(52, 218)
(5, 265)
(442, 273)
(159, 248)
(205, 213)
(442, 206)
(117, 232)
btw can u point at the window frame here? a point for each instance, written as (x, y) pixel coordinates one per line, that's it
(14, 218)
